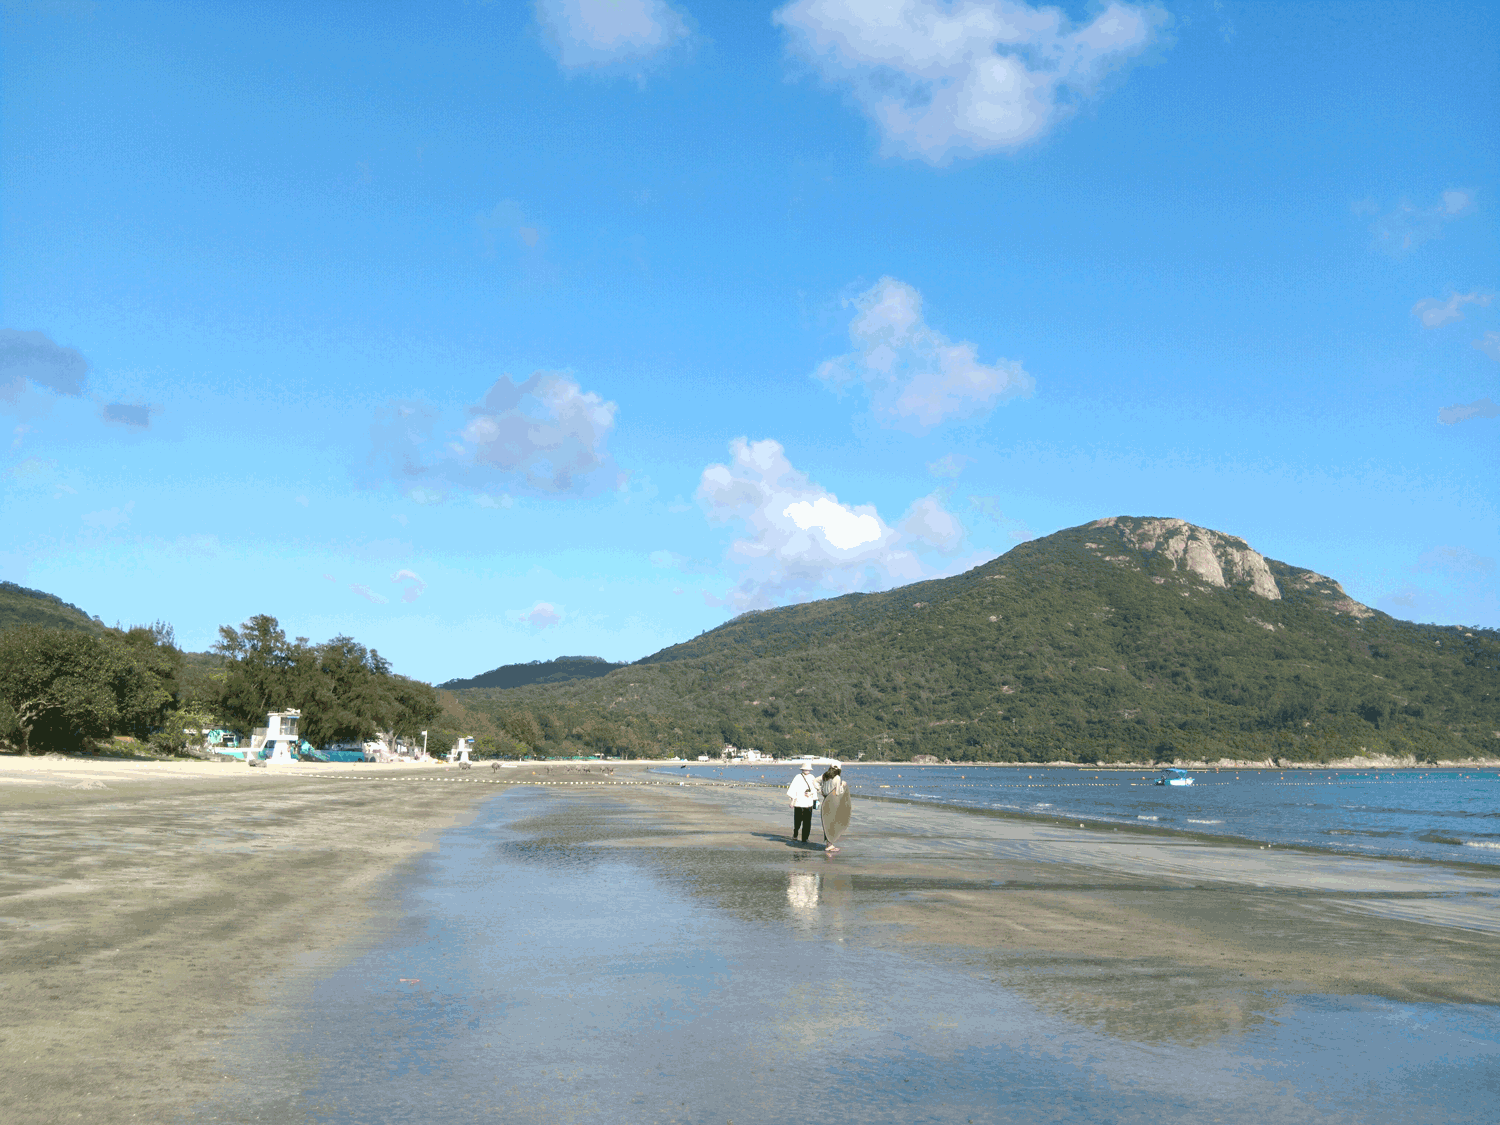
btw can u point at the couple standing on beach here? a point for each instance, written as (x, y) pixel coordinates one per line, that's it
(804, 793)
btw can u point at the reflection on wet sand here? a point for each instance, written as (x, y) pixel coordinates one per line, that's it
(664, 956)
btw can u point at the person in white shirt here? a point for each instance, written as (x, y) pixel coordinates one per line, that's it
(802, 795)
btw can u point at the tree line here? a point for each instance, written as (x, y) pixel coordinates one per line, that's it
(66, 690)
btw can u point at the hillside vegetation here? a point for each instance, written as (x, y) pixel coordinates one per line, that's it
(1122, 640)
(20, 606)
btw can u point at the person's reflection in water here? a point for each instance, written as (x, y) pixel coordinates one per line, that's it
(802, 898)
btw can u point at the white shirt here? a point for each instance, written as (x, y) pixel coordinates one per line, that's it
(803, 791)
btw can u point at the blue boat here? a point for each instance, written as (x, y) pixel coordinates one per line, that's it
(1173, 776)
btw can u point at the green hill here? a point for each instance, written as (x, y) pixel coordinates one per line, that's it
(1125, 639)
(557, 671)
(20, 606)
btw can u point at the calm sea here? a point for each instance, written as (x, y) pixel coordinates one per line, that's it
(1448, 815)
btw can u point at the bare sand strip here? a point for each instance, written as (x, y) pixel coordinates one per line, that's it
(142, 907)
(147, 907)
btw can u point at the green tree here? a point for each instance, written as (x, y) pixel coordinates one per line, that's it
(263, 671)
(68, 687)
(351, 698)
(149, 697)
(414, 708)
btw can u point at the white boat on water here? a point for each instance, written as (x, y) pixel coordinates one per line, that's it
(1175, 777)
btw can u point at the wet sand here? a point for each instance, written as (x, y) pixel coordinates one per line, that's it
(144, 919)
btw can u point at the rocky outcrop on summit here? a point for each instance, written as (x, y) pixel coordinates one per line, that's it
(1328, 594)
(1220, 560)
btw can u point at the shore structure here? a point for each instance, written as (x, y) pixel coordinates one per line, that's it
(150, 908)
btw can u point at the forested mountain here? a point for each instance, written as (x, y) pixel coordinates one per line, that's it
(20, 606)
(1125, 639)
(557, 671)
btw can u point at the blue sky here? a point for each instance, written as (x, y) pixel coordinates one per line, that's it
(494, 332)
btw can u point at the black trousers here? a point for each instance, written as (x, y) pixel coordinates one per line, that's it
(801, 822)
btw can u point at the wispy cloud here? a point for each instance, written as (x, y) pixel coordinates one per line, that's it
(368, 594)
(609, 34)
(1489, 344)
(915, 376)
(413, 587)
(542, 615)
(1434, 313)
(1455, 560)
(31, 357)
(1449, 584)
(1406, 226)
(671, 560)
(1479, 408)
(135, 416)
(949, 465)
(109, 519)
(31, 468)
(509, 221)
(800, 541)
(941, 80)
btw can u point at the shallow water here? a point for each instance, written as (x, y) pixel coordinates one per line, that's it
(537, 976)
(1448, 815)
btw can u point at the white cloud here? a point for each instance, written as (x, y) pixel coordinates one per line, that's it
(541, 615)
(1433, 313)
(1479, 408)
(1489, 344)
(368, 594)
(1407, 226)
(915, 376)
(944, 79)
(545, 435)
(801, 542)
(414, 587)
(547, 432)
(842, 527)
(586, 34)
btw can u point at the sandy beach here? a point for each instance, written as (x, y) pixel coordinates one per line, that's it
(146, 904)
(149, 908)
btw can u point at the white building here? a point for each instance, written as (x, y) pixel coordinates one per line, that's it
(277, 739)
(734, 754)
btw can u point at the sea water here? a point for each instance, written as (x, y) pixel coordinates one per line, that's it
(536, 979)
(1448, 815)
